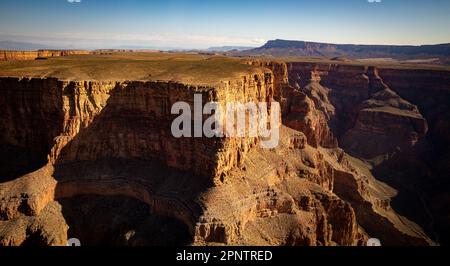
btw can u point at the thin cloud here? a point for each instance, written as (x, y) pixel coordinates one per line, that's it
(74, 1)
(374, 1)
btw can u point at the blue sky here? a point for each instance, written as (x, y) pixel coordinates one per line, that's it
(202, 23)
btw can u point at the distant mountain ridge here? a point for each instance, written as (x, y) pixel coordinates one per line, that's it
(229, 48)
(301, 48)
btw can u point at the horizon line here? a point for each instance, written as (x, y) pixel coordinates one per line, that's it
(142, 46)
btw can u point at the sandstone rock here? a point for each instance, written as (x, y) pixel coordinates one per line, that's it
(32, 55)
(113, 139)
(361, 109)
(297, 141)
(48, 228)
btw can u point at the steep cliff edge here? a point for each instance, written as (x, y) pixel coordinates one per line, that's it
(32, 55)
(88, 156)
(112, 138)
(369, 118)
(395, 118)
(423, 172)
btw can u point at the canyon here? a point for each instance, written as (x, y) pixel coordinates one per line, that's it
(87, 152)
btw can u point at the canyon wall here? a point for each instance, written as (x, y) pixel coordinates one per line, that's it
(82, 122)
(368, 117)
(299, 111)
(86, 121)
(113, 138)
(395, 118)
(32, 55)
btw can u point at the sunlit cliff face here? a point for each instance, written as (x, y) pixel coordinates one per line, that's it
(107, 145)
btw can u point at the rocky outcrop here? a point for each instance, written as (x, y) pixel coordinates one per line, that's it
(385, 122)
(300, 111)
(87, 124)
(281, 86)
(303, 116)
(32, 55)
(112, 139)
(367, 116)
(88, 121)
(281, 201)
(429, 90)
(396, 118)
(48, 228)
(423, 172)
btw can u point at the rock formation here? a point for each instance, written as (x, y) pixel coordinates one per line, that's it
(110, 138)
(32, 55)
(396, 118)
(286, 48)
(368, 117)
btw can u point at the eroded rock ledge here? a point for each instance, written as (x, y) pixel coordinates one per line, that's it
(32, 55)
(113, 138)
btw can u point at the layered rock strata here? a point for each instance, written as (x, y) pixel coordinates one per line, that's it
(393, 117)
(113, 138)
(367, 116)
(32, 55)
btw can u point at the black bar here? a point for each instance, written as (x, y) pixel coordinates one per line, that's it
(382, 256)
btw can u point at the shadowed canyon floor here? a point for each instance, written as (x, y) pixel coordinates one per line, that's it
(87, 152)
